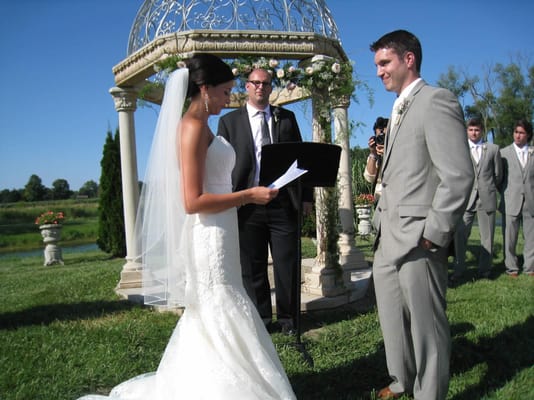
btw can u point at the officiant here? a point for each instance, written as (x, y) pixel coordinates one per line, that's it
(273, 225)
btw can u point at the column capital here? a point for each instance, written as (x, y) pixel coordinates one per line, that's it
(125, 98)
(340, 102)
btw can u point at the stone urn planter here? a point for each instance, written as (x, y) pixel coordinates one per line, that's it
(364, 216)
(51, 234)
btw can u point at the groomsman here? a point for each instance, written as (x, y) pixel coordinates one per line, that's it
(518, 198)
(487, 165)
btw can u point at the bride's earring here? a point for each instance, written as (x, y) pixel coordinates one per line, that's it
(206, 104)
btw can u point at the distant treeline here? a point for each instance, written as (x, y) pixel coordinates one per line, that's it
(60, 190)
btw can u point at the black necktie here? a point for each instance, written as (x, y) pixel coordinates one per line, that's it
(265, 136)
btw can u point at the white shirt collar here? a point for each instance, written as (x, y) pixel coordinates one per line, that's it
(475, 144)
(521, 149)
(408, 89)
(253, 111)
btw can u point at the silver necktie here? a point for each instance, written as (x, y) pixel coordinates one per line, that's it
(265, 136)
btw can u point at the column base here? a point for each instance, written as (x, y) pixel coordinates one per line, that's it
(323, 281)
(131, 276)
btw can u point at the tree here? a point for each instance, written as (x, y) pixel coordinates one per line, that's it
(61, 189)
(34, 189)
(10, 196)
(504, 94)
(89, 189)
(111, 231)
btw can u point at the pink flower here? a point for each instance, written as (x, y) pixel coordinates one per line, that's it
(50, 217)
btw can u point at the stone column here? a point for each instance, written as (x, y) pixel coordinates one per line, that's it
(126, 104)
(350, 258)
(326, 276)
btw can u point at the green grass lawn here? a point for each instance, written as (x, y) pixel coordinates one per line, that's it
(65, 333)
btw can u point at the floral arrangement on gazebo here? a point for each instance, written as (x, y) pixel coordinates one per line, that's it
(329, 75)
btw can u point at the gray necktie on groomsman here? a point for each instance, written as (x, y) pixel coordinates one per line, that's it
(523, 158)
(265, 135)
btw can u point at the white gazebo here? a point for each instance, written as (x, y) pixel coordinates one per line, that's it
(302, 31)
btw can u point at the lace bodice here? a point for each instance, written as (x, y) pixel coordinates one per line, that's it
(215, 235)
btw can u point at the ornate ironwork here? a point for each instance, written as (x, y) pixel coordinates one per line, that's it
(161, 17)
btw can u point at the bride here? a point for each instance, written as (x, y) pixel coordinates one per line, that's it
(187, 230)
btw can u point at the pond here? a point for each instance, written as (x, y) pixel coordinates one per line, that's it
(65, 250)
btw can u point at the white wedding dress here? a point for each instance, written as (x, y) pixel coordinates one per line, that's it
(220, 349)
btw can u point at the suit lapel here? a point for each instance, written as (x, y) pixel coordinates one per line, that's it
(394, 127)
(245, 122)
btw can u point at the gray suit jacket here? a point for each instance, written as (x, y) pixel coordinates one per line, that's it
(518, 183)
(427, 174)
(488, 178)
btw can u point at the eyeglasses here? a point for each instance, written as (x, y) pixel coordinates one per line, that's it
(258, 83)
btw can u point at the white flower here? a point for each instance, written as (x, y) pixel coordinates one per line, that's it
(181, 64)
(291, 69)
(280, 73)
(336, 68)
(530, 151)
(309, 70)
(235, 71)
(403, 106)
(273, 63)
(401, 109)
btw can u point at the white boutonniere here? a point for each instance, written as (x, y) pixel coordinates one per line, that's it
(401, 109)
(276, 114)
(484, 147)
(530, 151)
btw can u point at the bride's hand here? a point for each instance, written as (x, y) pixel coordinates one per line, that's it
(261, 195)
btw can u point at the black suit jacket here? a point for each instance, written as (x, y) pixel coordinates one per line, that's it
(235, 128)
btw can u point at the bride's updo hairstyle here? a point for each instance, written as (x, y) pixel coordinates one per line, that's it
(206, 69)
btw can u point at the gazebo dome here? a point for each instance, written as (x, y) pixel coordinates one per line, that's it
(162, 17)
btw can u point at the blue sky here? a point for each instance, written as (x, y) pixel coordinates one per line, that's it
(57, 56)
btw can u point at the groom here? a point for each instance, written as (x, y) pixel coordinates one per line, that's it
(273, 225)
(427, 176)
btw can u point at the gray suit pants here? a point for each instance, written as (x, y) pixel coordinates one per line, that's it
(511, 233)
(486, 224)
(412, 311)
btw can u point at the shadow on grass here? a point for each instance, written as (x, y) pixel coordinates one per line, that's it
(46, 314)
(505, 355)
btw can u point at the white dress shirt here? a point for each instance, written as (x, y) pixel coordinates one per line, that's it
(255, 118)
(522, 154)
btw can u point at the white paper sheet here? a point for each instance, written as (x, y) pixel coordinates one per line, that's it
(292, 173)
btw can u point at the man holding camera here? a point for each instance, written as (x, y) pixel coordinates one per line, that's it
(376, 147)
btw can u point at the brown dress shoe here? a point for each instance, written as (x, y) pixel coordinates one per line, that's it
(386, 393)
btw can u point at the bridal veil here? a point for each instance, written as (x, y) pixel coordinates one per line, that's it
(162, 226)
